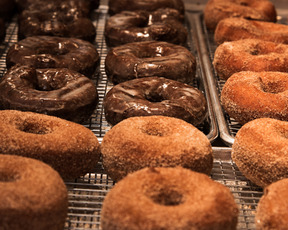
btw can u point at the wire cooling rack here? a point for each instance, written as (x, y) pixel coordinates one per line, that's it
(87, 193)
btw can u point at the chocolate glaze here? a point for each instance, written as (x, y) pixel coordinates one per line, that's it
(148, 59)
(63, 19)
(116, 6)
(161, 25)
(155, 96)
(59, 92)
(54, 52)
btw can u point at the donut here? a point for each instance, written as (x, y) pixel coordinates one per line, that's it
(144, 199)
(33, 195)
(69, 148)
(232, 29)
(154, 96)
(136, 26)
(250, 55)
(55, 52)
(259, 150)
(154, 141)
(117, 6)
(150, 58)
(272, 208)
(59, 92)
(65, 19)
(249, 95)
(216, 10)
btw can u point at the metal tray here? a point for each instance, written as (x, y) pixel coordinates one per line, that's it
(87, 194)
(228, 127)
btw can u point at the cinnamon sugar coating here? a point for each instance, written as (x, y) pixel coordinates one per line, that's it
(33, 195)
(216, 10)
(70, 148)
(250, 55)
(272, 208)
(250, 95)
(154, 141)
(169, 198)
(260, 150)
(231, 29)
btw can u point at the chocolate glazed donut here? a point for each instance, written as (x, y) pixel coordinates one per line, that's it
(59, 92)
(155, 96)
(149, 59)
(135, 26)
(55, 52)
(116, 6)
(63, 19)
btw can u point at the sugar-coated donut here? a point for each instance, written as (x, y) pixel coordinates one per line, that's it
(155, 96)
(250, 55)
(136, 26)
(63, 19)
(33, 195)
(260, 150)
(150, 59)
(116, 6)
(55, 52)
(154, 141)
(216, 10)
(231, 29)
(250, 95)
(169, 198)
(59, 92)
(70, 148)
(272, 208)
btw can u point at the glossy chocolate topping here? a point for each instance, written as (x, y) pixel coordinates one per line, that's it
(59, 92)
(160, 25)
(155, 96)
(54, 52)
(63, 19)
(116, 6)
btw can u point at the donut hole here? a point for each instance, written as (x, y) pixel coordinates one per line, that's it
(273, 87)
(34, 128)
(167, 197)
(60, 50)
(154, 97)
(152, 129)
(6, 176)
(254, 52)
(244, 4)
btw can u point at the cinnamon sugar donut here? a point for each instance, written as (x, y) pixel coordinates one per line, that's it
(144, 199)
(136, 26)
(59, 92)
(272, 208)
(155, 96)
(33, 195)
(216, 10)
(70, 148)
(250, 95)
(260, 150)
(150, 59)
(231, 29)
(154, 141)
(55, 52)
(116, 6)
(250, 55)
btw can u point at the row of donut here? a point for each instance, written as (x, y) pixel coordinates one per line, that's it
(251, 58)
(160, 146)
